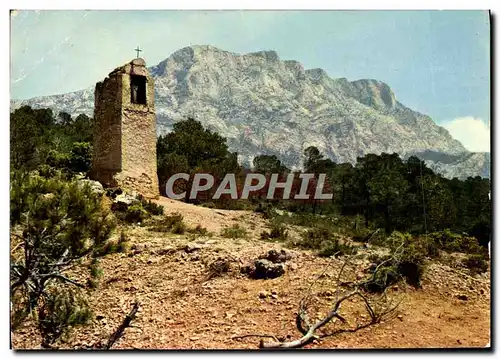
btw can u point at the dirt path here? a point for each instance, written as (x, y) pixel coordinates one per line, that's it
(214, 220)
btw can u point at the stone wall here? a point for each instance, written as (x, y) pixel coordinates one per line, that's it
(125, 133)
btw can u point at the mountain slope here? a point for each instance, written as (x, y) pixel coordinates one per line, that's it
(264, 105)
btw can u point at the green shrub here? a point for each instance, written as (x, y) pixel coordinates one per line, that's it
(430, 247)
(46, 171)
(314, 238)
(376, 237)
(476, 263)
(235, 231)
(199, 230)
(384, 277)
(80, 157)
(335, 247)
(305, 220)
(266, 209)
(325, 241)
(95, 268)
(60, 311)
(58, 160)
(278, 233)
(406, 261)
(61, 223)
(408, 257)
(172, 223)
(178, 228)
(453, 242)
(119, 246)
(208, 205)
(136, 213)
(151, 207)
(467, 244)
(411, 265)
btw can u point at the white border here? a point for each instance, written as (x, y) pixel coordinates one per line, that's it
(193, 4)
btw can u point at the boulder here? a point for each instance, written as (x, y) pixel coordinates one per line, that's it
(263, 294)
(123, 201)
(265, 269)
(95, 186)
(192, 247)
(276, 256)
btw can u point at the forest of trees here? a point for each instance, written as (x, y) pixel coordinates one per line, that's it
(39, 138)
(387, 191)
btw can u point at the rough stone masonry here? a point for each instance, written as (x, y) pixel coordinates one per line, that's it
(124, 150)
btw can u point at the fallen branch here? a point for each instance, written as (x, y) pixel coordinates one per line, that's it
(309, 336)
(63, 278)
(377, 309)
(255, 335)
(126, 323)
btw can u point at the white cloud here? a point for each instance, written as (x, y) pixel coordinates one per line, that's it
(473, 132)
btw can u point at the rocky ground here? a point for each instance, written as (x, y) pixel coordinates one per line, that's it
(185, 304)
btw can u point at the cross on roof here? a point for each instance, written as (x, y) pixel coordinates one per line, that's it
(138, 50)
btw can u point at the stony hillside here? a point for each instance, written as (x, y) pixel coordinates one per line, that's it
(265, 105)
(183, 307)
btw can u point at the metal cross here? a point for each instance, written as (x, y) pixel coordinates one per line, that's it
(138, 50)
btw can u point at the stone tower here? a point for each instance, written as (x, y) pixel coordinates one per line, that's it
(124, 151)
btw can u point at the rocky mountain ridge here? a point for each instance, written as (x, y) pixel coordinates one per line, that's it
(265, 105)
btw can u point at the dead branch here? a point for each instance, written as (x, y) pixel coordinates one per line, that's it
(126, 323)
(349, 330)
(378, 309)
(310, 333)
(63, 278)
(372, 235)
(255, 335)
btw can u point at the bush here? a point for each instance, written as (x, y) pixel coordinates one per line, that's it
(406, 261)
(326, 241)
(235, 231)
(178, 228)
(335, 247)
(119, 246)
(199, 230)
(172, 223)
(62, 223)
(151, 207)
(58, 160)
(314, 238)
(61, 310)
(305, 220)
(476, 263)
(80, 157)
(60, 220)
(453, 242)
(266, 209)
(408, 257)
(411, 266)
(96, 273)
(429, 246)
(278, 233)
(136, 213)
(383, 278)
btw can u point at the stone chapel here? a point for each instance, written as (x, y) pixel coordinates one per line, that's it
(124, 149)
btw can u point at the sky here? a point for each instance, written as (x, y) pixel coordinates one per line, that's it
(436, 62)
